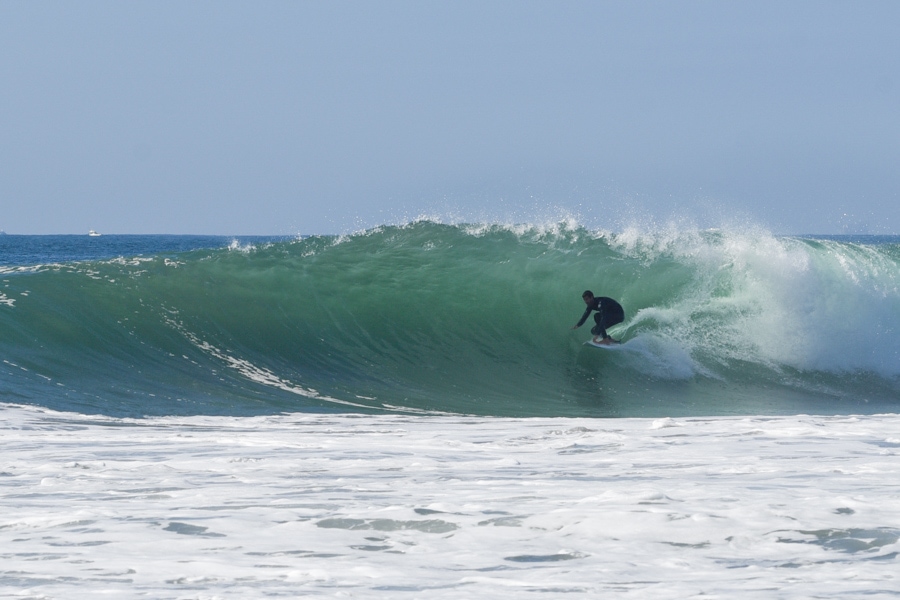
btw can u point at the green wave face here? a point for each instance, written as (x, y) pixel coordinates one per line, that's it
(463, 319)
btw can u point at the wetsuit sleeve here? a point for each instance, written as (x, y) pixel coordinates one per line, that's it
(584, 317)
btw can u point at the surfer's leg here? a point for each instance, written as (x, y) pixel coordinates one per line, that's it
(599, 330)
(606, 320)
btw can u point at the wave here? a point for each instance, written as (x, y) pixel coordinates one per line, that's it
(430, 317)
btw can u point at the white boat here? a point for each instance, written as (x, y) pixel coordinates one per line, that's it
(93, 233)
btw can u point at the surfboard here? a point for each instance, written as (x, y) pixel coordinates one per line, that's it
(615, 346)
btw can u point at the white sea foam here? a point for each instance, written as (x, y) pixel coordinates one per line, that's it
(448, 507)
(253, 372)
(236, 246)
(775, 301)
(18, 269)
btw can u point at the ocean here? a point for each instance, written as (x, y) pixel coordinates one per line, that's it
(406, 411)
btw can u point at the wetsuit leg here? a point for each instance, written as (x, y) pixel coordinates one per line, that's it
(599, 329)
(606, 319)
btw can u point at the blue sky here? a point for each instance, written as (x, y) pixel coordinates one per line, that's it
(326, 117)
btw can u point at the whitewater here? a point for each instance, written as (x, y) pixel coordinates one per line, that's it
(405, 412)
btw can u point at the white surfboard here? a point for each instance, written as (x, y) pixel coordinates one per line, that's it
(616, 346)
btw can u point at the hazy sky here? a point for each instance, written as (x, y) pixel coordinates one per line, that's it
(324, 117)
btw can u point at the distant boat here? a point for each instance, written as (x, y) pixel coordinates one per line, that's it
(93, 233)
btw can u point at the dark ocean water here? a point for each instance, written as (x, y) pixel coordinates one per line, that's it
(436, 318)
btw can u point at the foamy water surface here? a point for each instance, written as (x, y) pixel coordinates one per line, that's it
(396, 506)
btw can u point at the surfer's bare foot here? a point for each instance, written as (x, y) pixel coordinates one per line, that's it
(606, 341)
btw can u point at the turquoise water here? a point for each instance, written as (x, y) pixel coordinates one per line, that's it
(472, 319)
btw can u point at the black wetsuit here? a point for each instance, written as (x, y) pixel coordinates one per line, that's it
(609, 313)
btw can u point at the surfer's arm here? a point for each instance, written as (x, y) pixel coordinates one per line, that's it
(584, 317)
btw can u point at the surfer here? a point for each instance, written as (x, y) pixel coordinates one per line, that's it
(609, 313)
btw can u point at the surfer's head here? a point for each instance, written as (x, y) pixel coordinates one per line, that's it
(587, 296)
